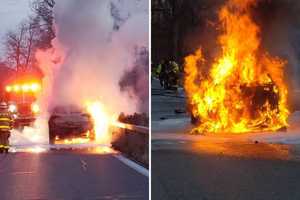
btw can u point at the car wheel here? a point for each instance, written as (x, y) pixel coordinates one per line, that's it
(51, 136)
(52, 131)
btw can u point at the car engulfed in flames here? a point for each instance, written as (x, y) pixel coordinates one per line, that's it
(70, 124)
(73, 124)
(244, 89)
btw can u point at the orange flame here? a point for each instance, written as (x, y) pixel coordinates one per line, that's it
(222, 99)
(101, 122)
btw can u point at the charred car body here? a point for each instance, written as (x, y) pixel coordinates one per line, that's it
(68, 122)
(257, 96)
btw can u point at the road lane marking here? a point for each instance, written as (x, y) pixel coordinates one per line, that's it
(83, 164)
(21, 173)
(133, 165)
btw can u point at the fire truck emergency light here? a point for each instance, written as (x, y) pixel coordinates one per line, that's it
(33, 87)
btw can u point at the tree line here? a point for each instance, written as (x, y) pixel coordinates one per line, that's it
(176, 24)
(35, 32)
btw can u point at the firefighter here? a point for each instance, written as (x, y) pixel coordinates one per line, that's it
(175, 67)
(156, 70)
(161, 71)
(172, 75)
(5, 127)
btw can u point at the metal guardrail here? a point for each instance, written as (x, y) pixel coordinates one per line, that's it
(133, 141)
(139, 129)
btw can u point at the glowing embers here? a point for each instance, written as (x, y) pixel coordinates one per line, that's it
(72, 141)
(243, 90)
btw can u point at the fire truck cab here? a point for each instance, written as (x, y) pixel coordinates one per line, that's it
(21, 96)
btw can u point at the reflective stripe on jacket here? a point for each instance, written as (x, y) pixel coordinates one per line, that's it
(5, 119)
(5, 122)
(4, 127)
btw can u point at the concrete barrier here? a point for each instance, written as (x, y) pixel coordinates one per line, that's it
(133, 141)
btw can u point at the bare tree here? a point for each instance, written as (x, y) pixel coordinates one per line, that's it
(173, 21)
(44, 16)
(34, 33)
(22, 43)
(15, 47)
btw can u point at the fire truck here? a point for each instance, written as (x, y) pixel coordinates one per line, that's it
(21, 96)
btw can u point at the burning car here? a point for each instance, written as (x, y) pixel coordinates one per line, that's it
(243, 89)
(68, 123)
(259, 99)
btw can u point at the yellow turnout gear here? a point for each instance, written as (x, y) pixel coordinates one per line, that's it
(5, 127)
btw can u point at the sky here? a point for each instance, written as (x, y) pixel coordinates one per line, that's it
(12, 12)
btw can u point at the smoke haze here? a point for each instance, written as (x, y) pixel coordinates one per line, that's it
(98, 41)
(279, 22)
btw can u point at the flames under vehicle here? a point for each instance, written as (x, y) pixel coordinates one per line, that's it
(70, 122)
(257, 97)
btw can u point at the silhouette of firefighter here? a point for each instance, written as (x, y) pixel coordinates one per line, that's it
(5, 127)
(168, 74)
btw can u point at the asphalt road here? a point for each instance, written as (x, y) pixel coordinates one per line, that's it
(164, 102)
(64, 175)
(188, 170)
(186, 166)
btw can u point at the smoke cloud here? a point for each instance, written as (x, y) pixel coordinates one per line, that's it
(280, 32)
(99, 41)
(134, 81)
(279, 23)
(100, 53)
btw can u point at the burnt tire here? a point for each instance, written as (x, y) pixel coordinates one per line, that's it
(195, 120)
(52, 131)
(51, 139)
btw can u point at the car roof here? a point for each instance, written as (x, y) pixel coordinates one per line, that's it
(63, 109)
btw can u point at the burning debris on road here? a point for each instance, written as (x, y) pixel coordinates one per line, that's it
(244, 89)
